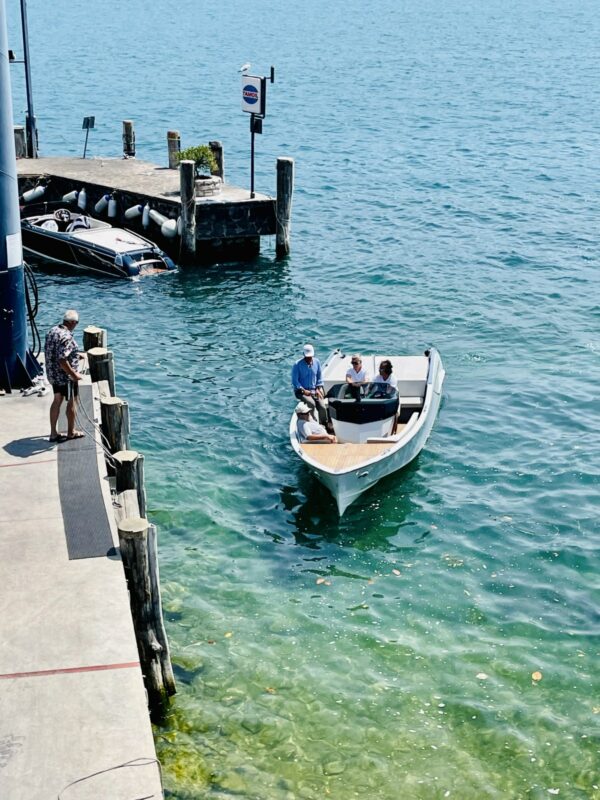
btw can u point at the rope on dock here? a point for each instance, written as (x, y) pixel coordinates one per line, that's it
(136, 762)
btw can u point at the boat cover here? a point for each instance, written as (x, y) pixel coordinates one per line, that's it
(115, 239)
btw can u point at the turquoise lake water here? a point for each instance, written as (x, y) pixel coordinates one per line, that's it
(447, 194)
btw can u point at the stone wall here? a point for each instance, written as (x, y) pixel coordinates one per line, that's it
(224, 230)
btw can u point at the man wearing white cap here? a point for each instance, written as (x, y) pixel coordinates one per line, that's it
(308, 382)
(308, 429)
(62, 370)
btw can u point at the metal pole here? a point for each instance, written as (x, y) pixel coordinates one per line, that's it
(87, 133)
(30, 126)
(13, 318)
(251, 155)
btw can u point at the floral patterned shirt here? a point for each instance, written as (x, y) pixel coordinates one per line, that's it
(60, 344)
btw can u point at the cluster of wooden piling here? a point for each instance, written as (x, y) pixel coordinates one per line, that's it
(137, 536)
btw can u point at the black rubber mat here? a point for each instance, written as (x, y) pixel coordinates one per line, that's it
(84, 513)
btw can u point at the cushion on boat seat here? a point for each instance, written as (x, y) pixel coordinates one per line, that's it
(49, 225)
(411, 402)
(397, 436)
(79, 223)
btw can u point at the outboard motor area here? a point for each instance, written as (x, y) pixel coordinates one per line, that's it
(360, 412)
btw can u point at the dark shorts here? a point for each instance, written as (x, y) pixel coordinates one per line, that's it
(68, 390)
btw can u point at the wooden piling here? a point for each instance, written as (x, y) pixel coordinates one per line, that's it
(20, 141)
(102, 366)
(103, 389)
(115, 423)
(126, 505)
(94, 337)
(217, 151)
(129, 474)
(137, 553)
(128, 139)
(125, 469)
(161, 633)
(173, 146)
(285, 189)
(187, 186)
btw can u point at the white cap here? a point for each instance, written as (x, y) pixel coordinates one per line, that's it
(302, 408)
(308, 350)
(71, 316)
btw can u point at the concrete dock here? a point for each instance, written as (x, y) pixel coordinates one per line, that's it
(227, 225)
(74, 721)
(127, 175)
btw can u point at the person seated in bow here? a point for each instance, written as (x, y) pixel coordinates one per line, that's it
(308, 430)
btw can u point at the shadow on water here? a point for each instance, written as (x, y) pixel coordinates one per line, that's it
(369, 523)
(188, 282)
(207, 282)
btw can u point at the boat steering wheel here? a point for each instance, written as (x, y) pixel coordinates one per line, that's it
(62, 215)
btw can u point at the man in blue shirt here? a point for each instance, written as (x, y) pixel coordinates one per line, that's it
(308, 382)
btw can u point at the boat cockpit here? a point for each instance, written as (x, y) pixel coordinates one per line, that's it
(361, 411)
(65, 221)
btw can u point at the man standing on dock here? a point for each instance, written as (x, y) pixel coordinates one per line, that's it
(308, 382)
(62, 371)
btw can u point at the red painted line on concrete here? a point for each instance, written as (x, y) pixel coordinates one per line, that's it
(27, 463)
(68, 670)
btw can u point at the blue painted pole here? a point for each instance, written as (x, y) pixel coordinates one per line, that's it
(13, 317)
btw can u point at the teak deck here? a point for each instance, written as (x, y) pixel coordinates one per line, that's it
(341, 457)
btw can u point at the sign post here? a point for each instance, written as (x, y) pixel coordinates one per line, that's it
(87, 126)
(254, 102)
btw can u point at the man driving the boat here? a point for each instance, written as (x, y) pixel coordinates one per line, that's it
(308, 429)
(385, 374)
(308, 382)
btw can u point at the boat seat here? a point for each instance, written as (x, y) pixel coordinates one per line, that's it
(411, 374)
(397, 436)
(411, 402)
(78, 224)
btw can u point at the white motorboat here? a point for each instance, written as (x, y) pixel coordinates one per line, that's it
(378, 429)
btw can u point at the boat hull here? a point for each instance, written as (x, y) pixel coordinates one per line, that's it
(346, 487)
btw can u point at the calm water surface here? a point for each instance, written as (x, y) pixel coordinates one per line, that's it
(447, 162)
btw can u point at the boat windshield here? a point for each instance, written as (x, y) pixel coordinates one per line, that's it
(362, 392)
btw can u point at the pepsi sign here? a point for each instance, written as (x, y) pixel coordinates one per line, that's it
(253, 95)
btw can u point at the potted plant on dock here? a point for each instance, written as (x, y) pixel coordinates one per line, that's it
(207, 182)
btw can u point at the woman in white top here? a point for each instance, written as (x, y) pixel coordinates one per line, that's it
(356, 373)
(385, 374)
